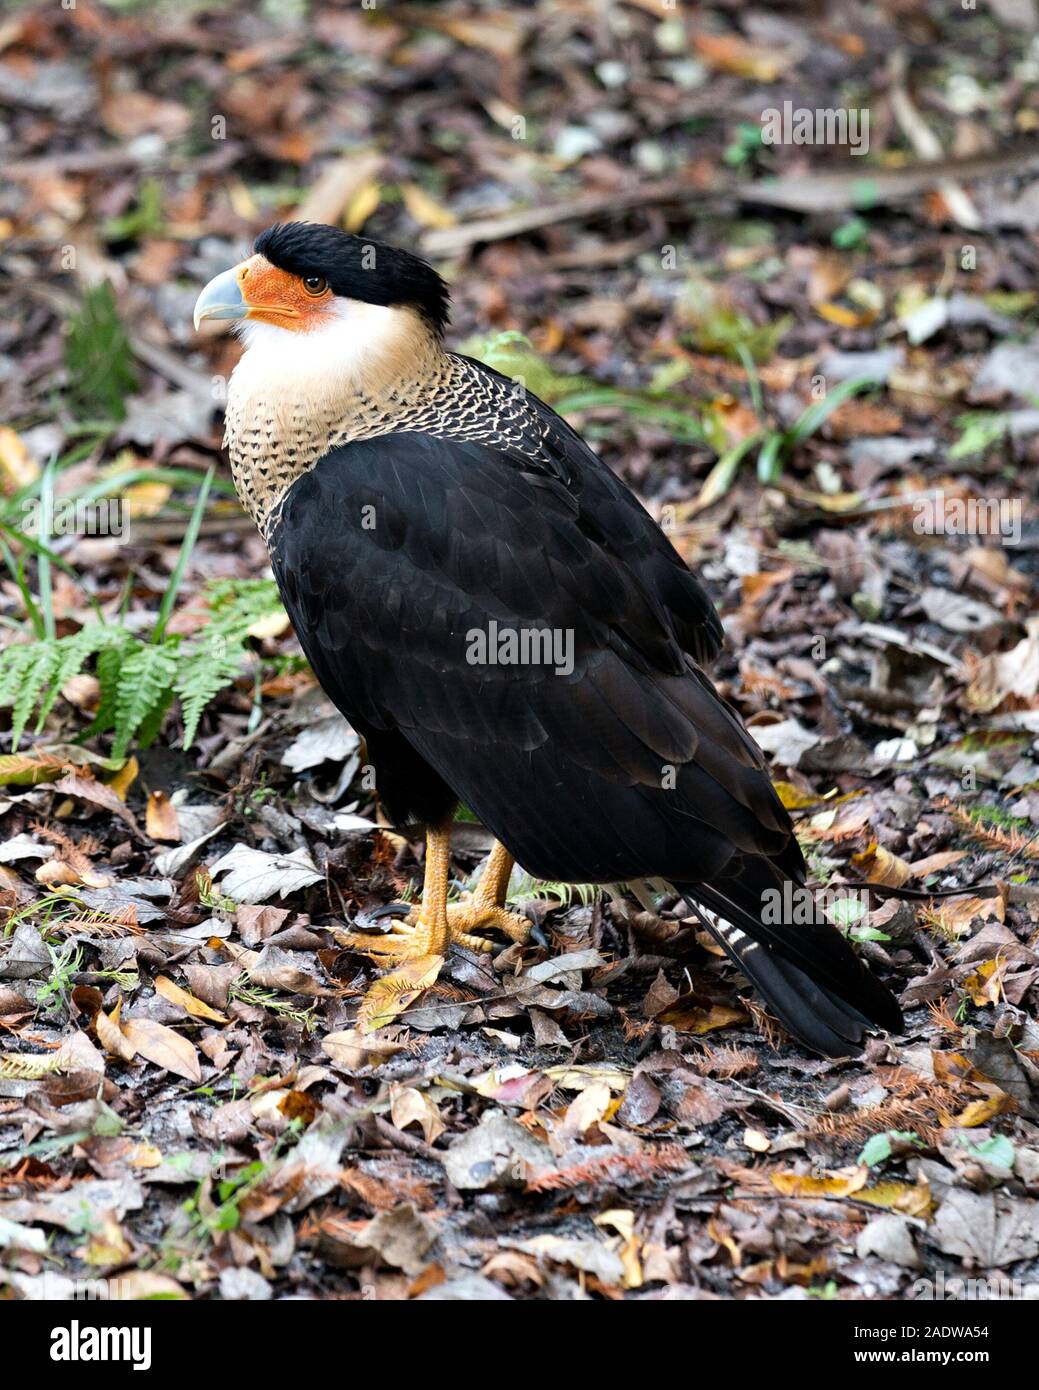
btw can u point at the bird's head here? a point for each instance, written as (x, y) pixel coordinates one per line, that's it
(339, 296)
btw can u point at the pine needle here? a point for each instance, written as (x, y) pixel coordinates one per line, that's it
(640, 1167)
(30, 1066)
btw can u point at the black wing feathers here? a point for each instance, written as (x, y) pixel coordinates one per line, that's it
(620, 762)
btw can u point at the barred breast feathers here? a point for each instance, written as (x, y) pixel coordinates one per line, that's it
(289, 404)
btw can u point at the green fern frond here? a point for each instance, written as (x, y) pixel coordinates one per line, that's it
(585, 893)
(15, 666)
(202, 674)
(37, 674)
(216, 658)
(107, 667)
(238, 604)
(138, 680)
(145, 681)
(73, 653)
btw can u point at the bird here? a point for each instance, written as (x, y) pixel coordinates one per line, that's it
(505, 626)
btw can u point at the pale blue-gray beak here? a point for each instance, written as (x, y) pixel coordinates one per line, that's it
(222, 298)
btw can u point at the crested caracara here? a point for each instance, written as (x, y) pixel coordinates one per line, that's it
(503, 623)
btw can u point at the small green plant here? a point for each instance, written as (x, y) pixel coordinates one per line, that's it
(143, 219)
(210, 896)
(98, 359)
(851, 234)
(745, 144)
(880, 1147)
(215, 1207)
(996, 816)
(714, 326)
(66, 963)
(827, 1292)
(776, 446)
(512, 354)
(979, 430)
(270, 1000)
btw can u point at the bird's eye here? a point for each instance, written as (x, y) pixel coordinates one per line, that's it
(315, 284)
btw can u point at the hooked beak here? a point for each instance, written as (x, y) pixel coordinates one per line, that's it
(222, 298)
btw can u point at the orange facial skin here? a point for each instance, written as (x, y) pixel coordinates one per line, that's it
(275, 296)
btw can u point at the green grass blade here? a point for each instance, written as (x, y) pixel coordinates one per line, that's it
(770, 460)
(186, 547)
(820, 411)
(43, 564)
(17, 569)
(723, 474)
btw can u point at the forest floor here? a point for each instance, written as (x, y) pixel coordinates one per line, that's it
(820, 371)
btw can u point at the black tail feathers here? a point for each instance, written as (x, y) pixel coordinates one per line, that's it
(807, 973)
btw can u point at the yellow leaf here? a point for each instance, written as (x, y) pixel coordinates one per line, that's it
(165, 986)
(837, 1184)
(361, 205)
(144, 1156)
(978, 1112)
(110, 1034)
(909, 1199)
(124, 779)
(163, 1046)
(621, 1220)
(794, 799)
(106, 1244)
(426, 211)
(985, 985)
(273, 625)
(700, 1021)
(585, 1074)
(843, 316)
(18, 468)
(881, 866)
(160, 819)
(720, 1233)
(146, 499)
(392, 994)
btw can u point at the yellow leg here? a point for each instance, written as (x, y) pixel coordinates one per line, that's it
(494, 881)
(485, 906)
(427, 931)
(430, 928)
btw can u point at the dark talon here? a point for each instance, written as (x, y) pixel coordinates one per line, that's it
(537, 933)
(366, 921)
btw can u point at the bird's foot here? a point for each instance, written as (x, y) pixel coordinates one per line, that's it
(411, 936)
(470, 915)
